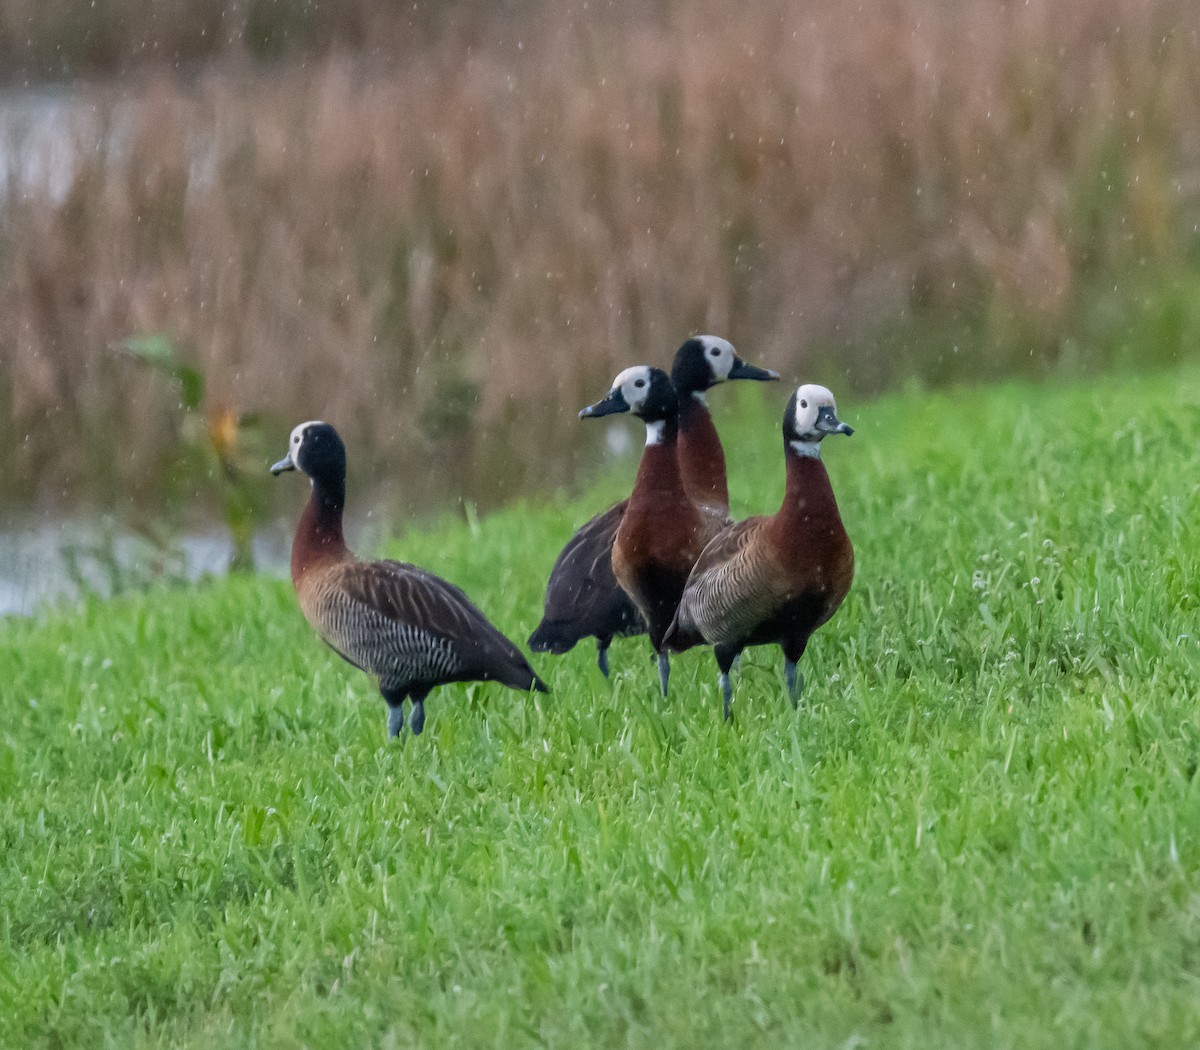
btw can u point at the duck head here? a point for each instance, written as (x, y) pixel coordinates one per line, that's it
(646, 392)
(316, 449)
(810, 416)
(706, 360)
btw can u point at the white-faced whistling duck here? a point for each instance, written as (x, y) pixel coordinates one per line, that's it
(663, 530)
(408, 629)
(583, 598)
(774, 580)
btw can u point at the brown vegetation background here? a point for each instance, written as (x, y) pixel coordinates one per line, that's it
(446, 232)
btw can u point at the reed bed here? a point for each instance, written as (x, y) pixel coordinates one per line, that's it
(447, 249)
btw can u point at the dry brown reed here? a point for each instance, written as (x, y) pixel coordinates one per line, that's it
(448, 255)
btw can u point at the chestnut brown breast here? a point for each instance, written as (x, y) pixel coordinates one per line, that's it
(771, 579)
(661, 535)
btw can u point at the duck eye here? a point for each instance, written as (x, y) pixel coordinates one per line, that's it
(804, 404)
(715, 352)
(639, 383)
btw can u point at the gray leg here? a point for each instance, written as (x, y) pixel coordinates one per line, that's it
(727, 659)
(418, 717)
(602, 656)
(727, 693)
(795, 681)
(664, 671)
(395, 719)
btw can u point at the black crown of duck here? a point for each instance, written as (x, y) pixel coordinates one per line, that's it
(583, 598)
(405, 627)
(663, 530)
(776, 579)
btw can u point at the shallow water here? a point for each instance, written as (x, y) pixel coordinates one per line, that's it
(47, 563)
(58, 561)
(37, 129)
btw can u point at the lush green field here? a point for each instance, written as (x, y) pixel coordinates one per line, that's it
(982, 828)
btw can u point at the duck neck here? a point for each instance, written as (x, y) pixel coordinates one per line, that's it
(658, 473)
(808, 494)
(701, 458)
(319, 535)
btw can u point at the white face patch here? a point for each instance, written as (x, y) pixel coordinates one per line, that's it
(298, 434)
(297, 438)
(720, 355)
(654, 432)
(634, 384)
(810, 398)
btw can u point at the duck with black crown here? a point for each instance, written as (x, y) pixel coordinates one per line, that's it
(406, 628)
(663, 529)
(583, 598)
(774, 579)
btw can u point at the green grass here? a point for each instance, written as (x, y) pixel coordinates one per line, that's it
(981, 829)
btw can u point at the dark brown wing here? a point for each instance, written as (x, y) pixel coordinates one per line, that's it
(723, 547)
(404, 624)
(730, 580)
(583, 597)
